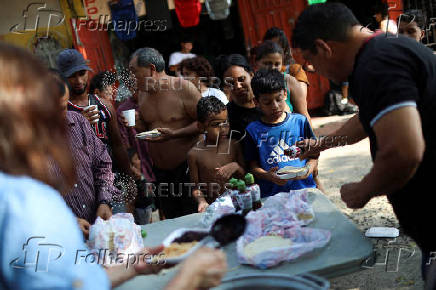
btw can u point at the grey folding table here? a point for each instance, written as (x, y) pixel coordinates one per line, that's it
(347, 249)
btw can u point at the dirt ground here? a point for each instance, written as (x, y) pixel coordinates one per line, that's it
(349, 164)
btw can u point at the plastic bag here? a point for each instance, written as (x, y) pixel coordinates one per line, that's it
(283, 214)
(294, 205)
(221, 206)
(304, 240)
(113, 240)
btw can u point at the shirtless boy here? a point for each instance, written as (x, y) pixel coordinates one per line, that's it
(215, 159)
(168, 104)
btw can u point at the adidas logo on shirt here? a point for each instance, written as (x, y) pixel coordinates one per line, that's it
(278, 155)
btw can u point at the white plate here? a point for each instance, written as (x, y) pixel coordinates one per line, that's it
(148, 134)
(176, 234)
(297, 172)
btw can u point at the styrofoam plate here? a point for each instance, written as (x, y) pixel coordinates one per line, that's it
(297, 171)
(178, 233)
(148, 134)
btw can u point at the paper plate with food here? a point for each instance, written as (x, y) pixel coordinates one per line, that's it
(149, 134)
(289, 172)
(181, 243)
(270, 249)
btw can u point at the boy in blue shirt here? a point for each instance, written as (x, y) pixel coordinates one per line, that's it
(275, 132)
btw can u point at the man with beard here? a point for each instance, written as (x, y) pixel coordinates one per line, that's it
(74, 68)
(167, 104)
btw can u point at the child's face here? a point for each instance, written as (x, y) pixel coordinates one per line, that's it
(136, 163)
(272, 106)
(411, 30)
(191, 76)
(270, 61)
(106, 93)
(216, 126)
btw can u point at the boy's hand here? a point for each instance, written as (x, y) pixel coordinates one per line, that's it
(136, 173)
(272, 176)
(225, 172)
(202, 206)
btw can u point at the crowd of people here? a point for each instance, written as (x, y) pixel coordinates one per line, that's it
(65, 141)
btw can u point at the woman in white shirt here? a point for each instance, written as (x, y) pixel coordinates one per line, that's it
(382, 18)
(199, 71)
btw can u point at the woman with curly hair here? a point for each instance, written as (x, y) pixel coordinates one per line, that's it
(199, 71)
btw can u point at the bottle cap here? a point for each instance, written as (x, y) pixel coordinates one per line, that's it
(241, 185)
(249, 179)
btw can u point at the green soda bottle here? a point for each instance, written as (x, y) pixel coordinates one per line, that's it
(255, 191)
(234, 192)
(244, 198)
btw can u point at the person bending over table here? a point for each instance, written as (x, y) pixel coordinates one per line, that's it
(392, 82)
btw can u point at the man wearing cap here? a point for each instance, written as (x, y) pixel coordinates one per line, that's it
(74, 68)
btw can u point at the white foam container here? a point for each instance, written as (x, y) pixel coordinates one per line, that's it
(177, 234)
(148, 135)
(299, 172)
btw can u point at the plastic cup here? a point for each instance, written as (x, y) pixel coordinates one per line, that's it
(129, 115)
(87, 108)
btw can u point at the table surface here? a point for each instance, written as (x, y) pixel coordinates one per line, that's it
(347, 249)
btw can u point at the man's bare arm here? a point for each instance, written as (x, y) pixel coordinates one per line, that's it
(190, 96)
(350, 133)
(401, 146)
(298, 96)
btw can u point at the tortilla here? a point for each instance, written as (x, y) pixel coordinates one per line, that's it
(264, 244)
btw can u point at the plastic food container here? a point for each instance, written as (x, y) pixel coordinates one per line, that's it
(148, 134)
(177, 234)
(289, 172)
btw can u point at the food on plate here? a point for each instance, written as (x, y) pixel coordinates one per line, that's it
(190, 236)
(265, 243)
(304, 216)
(177, 249)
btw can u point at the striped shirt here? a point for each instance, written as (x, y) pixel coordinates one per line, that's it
(94, 170)
(101, 127)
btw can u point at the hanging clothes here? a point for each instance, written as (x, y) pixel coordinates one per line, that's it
(188, 12)
(124, 19)
(218, 9)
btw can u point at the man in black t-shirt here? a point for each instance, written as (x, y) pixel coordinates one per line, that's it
(393, 81)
